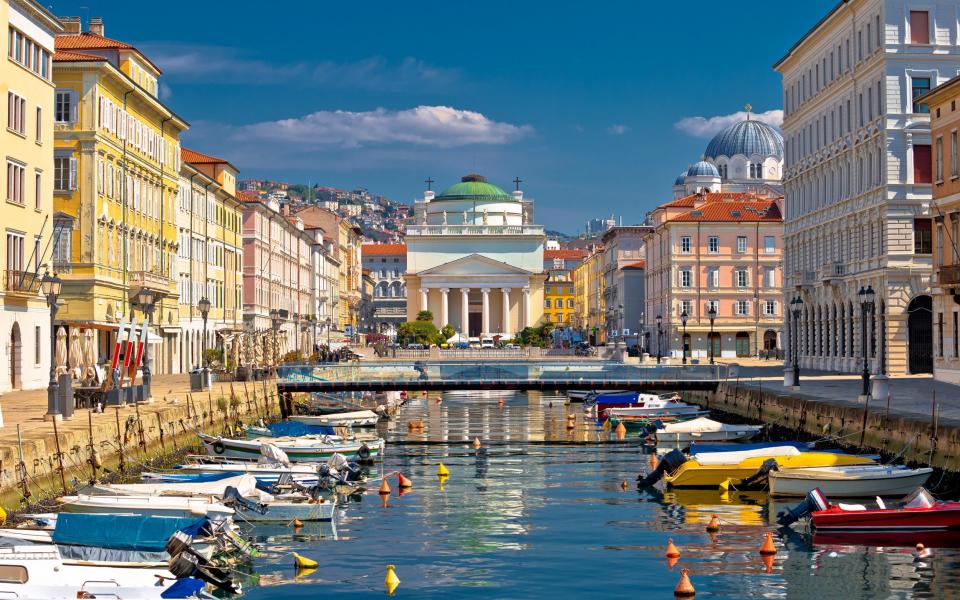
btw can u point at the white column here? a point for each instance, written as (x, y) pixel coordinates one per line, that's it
(506, 310)
(465, 311)
(423, 299)
(485, 327)
(444, 306)
(525, 310)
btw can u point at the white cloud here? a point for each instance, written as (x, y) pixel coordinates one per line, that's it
(618, 129)
(199, 63)
(438, 126)
(710, 126)
(165, 91)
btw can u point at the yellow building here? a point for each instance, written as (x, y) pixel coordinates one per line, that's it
(116, 174)
(26, 137)
(559, 292)
(210, 257)
(590, 307)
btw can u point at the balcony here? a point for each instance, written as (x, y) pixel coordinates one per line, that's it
(150, 280)
(833, 272)
(23, 283)
(948, 275)
(460, 230)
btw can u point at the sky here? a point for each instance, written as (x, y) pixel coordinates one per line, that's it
(596, 107)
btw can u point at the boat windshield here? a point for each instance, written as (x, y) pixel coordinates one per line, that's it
(921, 498)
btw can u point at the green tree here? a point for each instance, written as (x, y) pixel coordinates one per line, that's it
(538, 336)
(419, 331)
(448, 332)
(425, 315)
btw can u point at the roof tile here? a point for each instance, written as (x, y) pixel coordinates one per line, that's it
(379, 249)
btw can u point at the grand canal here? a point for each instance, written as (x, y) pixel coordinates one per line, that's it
(539, 511)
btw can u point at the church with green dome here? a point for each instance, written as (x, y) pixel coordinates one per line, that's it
(475, 259)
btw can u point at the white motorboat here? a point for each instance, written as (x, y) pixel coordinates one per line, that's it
(703, 429)
(860, 481)
(653, 407)
(357, 418)
(308, 448)
(304, 473)
(163, 506)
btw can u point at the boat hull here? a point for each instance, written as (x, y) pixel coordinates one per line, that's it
(250, 449)
(869, 483)
(694, 474)
(364, 418)
(706, 436)
(287, 511)
(943, 516)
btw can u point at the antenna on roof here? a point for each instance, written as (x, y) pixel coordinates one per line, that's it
(748, 108)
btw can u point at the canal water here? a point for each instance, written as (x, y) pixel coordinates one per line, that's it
(540, 512)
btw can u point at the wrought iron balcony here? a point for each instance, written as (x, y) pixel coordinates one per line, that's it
(23, 283)
(948, 275)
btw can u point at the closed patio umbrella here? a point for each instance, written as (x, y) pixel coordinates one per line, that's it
(76, 354)
(60, 355)
(89, 354)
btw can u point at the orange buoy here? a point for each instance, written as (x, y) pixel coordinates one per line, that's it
(672, 562)
(714, 525)
(768, 562)
(476, 443)
(768, 548)
(384, 488)
(672, 551)
(623, 485)
(403, 482)
(621, 430)
(684, 587)
(384, 500)
(653, 461)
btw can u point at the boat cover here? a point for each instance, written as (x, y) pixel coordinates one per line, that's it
(732, 458)
(121, 532)
(295, 429)
(270, 453)
(246, 484)
(186, 477)
(698, 448)
(615, 398)
(703, 424)
(188, 587)
(111, 555)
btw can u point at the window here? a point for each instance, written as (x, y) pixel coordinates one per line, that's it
(922, 242)
(15, 181)
(14, 251)
(713, 244)
(956, 343)
(919, 27)
(770, 308)
(39, 127)
(570, 303)
(953, 154)
(714, 305)
(921, 163)
(713, 277)
(63, 106)
(741, 308)
(685, 244)
(920, 86)
(940, 334)
(64, 173)
(741, 244)
(37, 191)
(938, 165)
(686, 306)
(37, 339)
(939, 244)
(770, 278)
(16, 113)
(769, 244)
(547, 303)
(686, 278)
(740, 278)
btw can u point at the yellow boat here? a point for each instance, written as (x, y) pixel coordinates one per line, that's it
(710, 471)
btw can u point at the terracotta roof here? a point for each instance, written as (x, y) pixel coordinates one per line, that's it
(245, 196)
(640, 264)
(733, 212)
(378, 249)
(690, 201)
(199, 158)
(565, 253)
(71, 56)
(92, 41)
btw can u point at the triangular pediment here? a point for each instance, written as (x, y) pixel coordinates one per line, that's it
(475, 264)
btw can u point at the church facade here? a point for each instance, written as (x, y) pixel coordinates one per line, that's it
(475, 259)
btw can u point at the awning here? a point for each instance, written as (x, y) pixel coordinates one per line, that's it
(153, 338)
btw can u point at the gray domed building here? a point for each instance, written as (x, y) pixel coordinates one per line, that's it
(746, 157)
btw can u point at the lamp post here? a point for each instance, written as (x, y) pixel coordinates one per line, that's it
(329, 323)
(51, 289)
(204, 306)
(683, 340)
(146, 298)
(620, 324)
(711, 314)
(867, 297)
(795, 307)
(659, 334)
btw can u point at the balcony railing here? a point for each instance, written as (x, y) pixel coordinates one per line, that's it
(453, 230)
(949, 275)
(26, 283)
(148, 279)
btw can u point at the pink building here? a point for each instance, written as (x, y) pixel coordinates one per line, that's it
(721, 251)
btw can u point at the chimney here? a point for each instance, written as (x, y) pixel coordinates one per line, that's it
(96, 26)
(70, 24)
(285, 210)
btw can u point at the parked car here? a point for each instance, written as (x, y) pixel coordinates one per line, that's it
(415, 347)
(486, 343)
(474, 342)
(462, 346)
(511, 347)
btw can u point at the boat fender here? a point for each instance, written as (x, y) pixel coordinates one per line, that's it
(815, 501)
(668, 464)
(218, 447)
(363, 453)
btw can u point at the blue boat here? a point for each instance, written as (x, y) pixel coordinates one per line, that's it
(696, 448)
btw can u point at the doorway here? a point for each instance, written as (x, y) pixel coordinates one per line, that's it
(920, 334)
(743, 344)
(16, 351)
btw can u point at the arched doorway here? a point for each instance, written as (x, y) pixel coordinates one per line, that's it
(16, 352)
(920, 335)
(769, 340)
(743, 344)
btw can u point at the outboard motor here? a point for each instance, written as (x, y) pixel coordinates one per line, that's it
(815, 501)
(768, 465)
(232, 497)
(672, 461)
(185, 561)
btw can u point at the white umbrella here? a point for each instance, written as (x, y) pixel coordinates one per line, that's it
(76, 354)
(90, 354)
(60, 357)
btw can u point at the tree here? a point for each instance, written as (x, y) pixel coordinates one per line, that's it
(425, 315)
(448, 332)
(419, 331)
(538, 336)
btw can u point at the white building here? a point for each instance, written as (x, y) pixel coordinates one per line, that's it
(475, 259)
(857, 180)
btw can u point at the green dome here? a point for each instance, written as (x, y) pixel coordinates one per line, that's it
(472, 187)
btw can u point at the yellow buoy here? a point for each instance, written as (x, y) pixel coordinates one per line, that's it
(3, 516)
(442, 470)
(303, 562)
(443, 480)
(391, 580)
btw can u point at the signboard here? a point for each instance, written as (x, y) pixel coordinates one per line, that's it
(348, 330)
(626, 332)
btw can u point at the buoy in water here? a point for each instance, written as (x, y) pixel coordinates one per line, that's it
(403, 482)
(621, 430)
(296, 522)
(384, 500)
(684, 587)
(571, 421)
(476, 443)
(442, 470)
(714, 524)
(303, 562)
(653, 461)
(3, 516)
(767, 560)
(500, 403)
(672, 551)
(443, 480)
(391, 580)
(768, 548)
(623, 485)
(384, 488)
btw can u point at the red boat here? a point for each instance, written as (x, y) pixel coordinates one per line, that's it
(917, 512)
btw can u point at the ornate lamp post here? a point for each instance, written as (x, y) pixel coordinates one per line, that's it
(147, 298)
(796, 305)
(867, 297)
(329, 323)
(659, 335)
(711, 314)
(204, 306)
(683, 340)
(51, 285)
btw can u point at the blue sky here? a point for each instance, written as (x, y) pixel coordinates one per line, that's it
(594, 106)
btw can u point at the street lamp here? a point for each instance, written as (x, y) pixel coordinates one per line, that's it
(51, 285)
(329, 323)
(796, 305)
(204, 306)
(146, 298)
(711, 314)
(867, 297)
(683, 342)
(659, 334)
